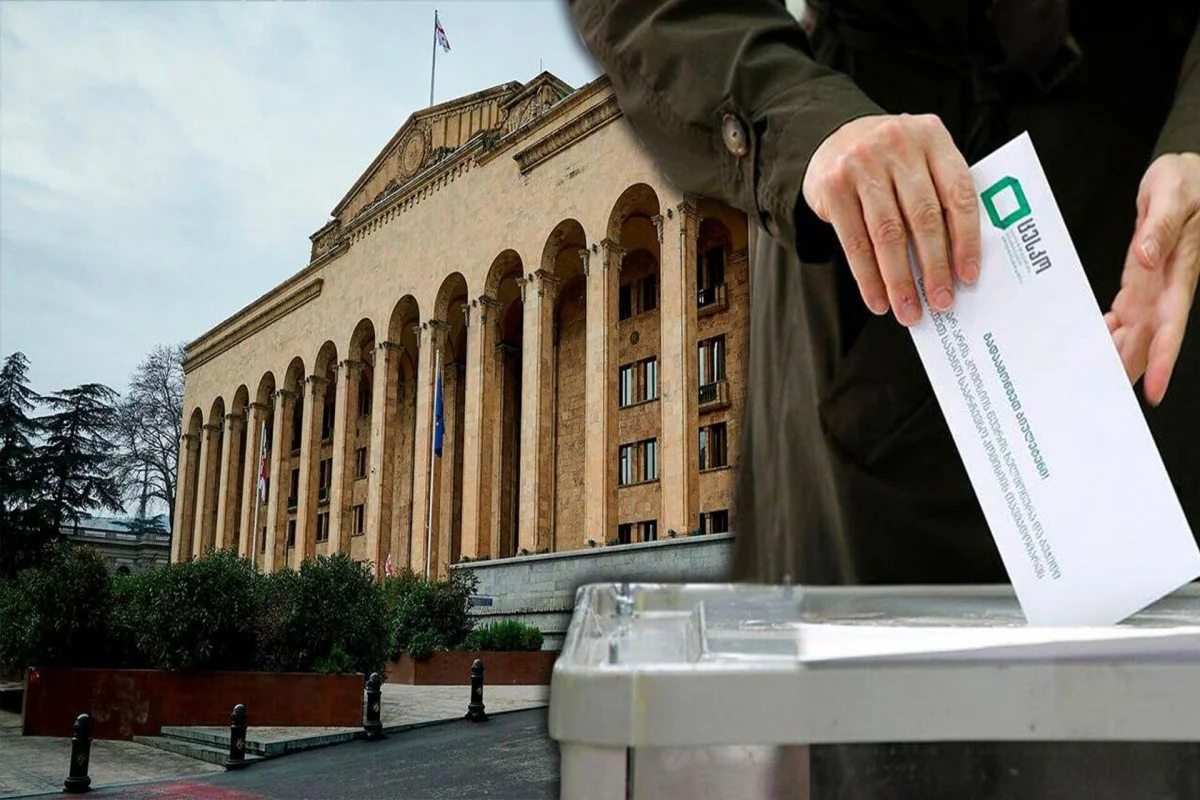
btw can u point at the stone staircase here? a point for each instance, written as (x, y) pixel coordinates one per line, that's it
(211, 744)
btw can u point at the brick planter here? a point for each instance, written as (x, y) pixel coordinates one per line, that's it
(516, 668)
(137, 702)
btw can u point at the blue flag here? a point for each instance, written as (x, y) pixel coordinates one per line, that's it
(439, 422)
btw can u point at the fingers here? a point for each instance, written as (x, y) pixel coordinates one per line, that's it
(1164, 206)
(885, 225)
(957, 192)
(846, 215)
(1183, 269)
(923, 213)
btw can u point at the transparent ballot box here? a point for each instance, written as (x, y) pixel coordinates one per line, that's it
(744, 691)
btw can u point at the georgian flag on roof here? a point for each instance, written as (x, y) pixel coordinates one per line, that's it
(440, 33)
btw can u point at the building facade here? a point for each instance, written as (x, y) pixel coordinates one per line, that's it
(512, 279)
(127, 547)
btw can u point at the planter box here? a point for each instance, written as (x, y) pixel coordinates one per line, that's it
(500, 668)
(137, 702)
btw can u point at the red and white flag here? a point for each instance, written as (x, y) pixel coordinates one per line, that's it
(387, 566)
(440, 34)
(262, 465)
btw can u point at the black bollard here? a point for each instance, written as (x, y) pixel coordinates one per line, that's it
(475, 711)
(77, 780)
(371, 723)
(237, 734)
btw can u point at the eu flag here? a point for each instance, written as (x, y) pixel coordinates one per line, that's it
(439, 422)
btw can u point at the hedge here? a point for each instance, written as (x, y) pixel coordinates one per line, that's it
(218, 612)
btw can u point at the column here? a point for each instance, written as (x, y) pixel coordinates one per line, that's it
(182, 529)
(384, 414)
(206, 507)
(228, 501)
(430, 337)
(255, 414)
(449, 491)
(279, 484)
(679, 460)
(310, 451)
(600, 445)
(341, 483)
(479, 421)
(537, 429)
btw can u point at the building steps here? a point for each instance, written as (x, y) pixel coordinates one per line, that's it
(198, 750)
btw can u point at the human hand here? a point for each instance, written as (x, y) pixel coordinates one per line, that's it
(1158, 286)
(883, 180)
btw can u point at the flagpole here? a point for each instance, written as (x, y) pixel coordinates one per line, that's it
(432, 442)
(433, 69)
(257, 496)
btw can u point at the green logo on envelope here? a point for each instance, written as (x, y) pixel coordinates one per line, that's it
(1005, 202)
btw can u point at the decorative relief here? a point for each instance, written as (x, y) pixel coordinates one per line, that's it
(568, 134)
(413, 151)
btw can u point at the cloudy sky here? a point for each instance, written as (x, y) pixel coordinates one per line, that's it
(163, 163)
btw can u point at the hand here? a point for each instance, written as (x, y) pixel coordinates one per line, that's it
(1150, 312)
(883, 180)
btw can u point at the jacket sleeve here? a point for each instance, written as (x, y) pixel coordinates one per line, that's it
(726, 96)
(1181, 133)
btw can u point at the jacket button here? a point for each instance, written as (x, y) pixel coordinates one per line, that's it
(734, 134)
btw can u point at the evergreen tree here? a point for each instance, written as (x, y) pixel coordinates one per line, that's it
(79, 457)
(24, 515)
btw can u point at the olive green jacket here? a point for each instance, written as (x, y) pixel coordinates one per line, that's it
(848, 472)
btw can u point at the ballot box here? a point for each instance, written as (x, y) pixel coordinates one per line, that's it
(743, 691)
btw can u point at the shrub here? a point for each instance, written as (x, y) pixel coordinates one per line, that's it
(195, 615)
(505, 635)
(280, 643)
(430, 615)
(337, 604)
(57, 614)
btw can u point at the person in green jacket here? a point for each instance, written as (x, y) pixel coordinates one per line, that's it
(848, 139)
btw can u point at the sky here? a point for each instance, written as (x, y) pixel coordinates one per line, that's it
(163, 163)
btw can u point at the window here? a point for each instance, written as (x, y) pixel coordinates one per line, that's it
(323, 526)
(650, 460)
(638, 462)
(262, 541)
(712, 360)
(325, 477)
(710, 276)
(637, 297)
(714, 451)
(650, 530)
(625, 533)
(294, 496)
(626, 383)
(638, 382)
(714, 522)
(364, 397)
(360, 515)
(291, 536)
(360, 462)
(327, 415)
(297, 425)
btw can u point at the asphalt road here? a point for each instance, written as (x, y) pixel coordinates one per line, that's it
(509, 756)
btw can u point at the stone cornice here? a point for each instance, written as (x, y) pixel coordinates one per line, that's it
(564, 107)
(582, 126)
(232, 332)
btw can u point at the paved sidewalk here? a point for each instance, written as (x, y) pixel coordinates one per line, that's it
(34, 764)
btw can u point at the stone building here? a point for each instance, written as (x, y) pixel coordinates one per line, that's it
(589, 320)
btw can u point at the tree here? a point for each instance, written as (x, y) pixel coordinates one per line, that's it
(78, 457)
(25, 523)
(149, 425)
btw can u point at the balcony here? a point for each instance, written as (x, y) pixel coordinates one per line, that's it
(714, 396)
(712, 299)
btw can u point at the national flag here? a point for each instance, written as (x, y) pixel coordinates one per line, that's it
(387, 566)
(440, 34)
(262, 466)
(439, 422)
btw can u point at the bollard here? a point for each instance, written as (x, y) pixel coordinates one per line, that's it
(77, 780)
(475, 711)
(371, 724)
(237, 735)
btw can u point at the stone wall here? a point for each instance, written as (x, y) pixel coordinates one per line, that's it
(540, 590)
